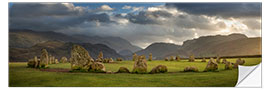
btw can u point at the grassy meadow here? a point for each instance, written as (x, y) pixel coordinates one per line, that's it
(20, 76)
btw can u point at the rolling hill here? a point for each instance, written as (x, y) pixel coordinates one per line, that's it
(28, 38)
(59, 49)
(207, 46)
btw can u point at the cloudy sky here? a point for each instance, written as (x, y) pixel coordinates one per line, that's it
(139, 23)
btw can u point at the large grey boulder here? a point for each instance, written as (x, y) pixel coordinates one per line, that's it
(80, 58)
(140, 65)
(44, 59)
(211, 66)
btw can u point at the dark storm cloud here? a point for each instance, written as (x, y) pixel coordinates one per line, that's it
(141, 18)
(146, 17)
(41, 9)
(51, 16)
(224, 10)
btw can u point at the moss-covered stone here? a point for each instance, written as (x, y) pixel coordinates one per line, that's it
(63, 60)
(159, 69)
(140, 66)
(211, 66)
(228, 66)
(97, 67)
(166, 59)
(191, 69)
(191, 58)
(44, 59)
(80, 58)
(123, 70)
(203, 60)
(238, 62)
(224, 61)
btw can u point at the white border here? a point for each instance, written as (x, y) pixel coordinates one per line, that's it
(4, 41)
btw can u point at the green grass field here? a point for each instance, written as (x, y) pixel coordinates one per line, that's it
(20, 76)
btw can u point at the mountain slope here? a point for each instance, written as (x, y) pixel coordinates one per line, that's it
(159, 50)
(59, 49)
(28, 38)
(116, 43)
(206, 46)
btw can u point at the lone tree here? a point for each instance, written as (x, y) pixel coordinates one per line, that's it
(150, 57)
(134, 58)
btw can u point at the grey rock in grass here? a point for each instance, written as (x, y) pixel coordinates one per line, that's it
(191, 58)
(63, 60)
(211, 66)
(159, 69)
(203, 60)
(44, 59)
(191, 69)
(228, 65)
(123, 70)
(140, 66)
(97, 67)
(80, 58)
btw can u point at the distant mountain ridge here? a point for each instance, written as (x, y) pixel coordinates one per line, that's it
(28, 38)
(207, 46)
(59, 49)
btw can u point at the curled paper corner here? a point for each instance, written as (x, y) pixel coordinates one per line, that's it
(249, 76)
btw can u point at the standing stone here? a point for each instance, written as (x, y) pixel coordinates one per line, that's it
(218, 59)
(100, 56)
(224, 61)
(228, 66)
(31, 63)
(53, 60)
(56, 61)
(203, 60)
(166, 59)
(191, 69)
(159, 69)
(191, 58)
(123, 70)
(110, 60)
(140, 66)
(97, 67)
(50, 59)
(171, 58)
(238, 62)
(134, 57)
(37, 62)
(106, 60)
(44, 59)
(63, 60)
(119, 59)
(212, 65)
(80, 58)
(150, 57)
(177, 58)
